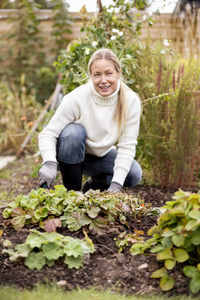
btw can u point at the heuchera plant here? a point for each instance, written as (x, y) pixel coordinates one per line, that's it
(176, 239)
(44, 248)
(55, 208)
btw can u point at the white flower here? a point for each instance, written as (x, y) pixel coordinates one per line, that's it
(166, 43)
(128, 56)
(94, 44)
(144, 18)
(114, 30)
(87, 51)
(121, 33)
(150, 13)
(110, 10)
(113, 37)
(162, 51)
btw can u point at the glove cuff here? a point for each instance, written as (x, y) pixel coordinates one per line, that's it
(51, 164)
(116, 184)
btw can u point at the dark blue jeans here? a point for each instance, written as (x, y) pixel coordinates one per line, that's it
(71, 150)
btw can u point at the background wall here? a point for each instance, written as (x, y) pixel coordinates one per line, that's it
(183, 31)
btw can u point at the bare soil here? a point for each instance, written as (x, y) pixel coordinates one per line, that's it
(105, 268)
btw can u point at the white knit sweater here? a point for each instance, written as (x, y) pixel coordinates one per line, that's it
(86, 107)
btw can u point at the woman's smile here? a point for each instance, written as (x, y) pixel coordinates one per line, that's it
(104, 77)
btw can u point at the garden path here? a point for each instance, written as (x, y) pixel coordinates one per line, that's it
(4, 160)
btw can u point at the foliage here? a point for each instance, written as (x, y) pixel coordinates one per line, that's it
(17, 114)
(75, 209)
(176, 239)
(26, 47)
(169, 136)
(42, 249)
(115, 28)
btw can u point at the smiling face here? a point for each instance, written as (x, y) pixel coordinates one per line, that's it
(104, 77)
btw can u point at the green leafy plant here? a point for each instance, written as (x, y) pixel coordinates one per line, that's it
(176, 239)
(126, 239)
(49, 208)
(44, 248)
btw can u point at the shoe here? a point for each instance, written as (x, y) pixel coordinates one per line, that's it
(94, 185)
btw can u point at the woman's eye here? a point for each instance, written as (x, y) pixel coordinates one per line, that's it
(96, 75)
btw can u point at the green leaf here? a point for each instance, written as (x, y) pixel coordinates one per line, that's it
(191, 225)
(157, 248)
(52, 251)
(165, 254)
(190, 271)
(93, 212)
(194, 285)
(195, 239)
(35, 261)
(72, 223)
(137, 248)
(178, 240)
(13, 255)
(23, 249)
(181, 255)
(73, 262)
(99, 225)
(18, 222)
(194, 214)
(7, 213)
(169, 264)
(166, 283)
(159, 273)
(41, 213)
(7, 243)
(34, 240)
(73, 248)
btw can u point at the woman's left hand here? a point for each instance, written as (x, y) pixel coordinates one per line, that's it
(114, 188)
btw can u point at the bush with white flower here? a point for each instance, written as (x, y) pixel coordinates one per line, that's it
(115, 28)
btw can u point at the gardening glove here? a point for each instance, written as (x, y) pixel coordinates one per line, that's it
(114, 187)
(47, 173)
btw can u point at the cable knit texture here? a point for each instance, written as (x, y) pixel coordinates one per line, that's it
(96, 113)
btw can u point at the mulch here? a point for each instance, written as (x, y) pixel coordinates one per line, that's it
(106, 267)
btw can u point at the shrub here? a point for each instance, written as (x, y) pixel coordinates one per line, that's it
(176, 240)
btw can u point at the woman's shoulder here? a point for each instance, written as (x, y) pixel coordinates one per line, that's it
(80, 90)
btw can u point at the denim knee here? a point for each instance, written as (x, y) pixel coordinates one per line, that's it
(71, 144)
(134, 176)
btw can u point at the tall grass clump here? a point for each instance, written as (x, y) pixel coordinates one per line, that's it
(169, 142)
(18, 112)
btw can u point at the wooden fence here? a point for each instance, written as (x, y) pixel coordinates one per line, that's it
(183, 31)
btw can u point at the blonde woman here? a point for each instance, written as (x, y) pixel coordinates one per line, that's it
(94, 132)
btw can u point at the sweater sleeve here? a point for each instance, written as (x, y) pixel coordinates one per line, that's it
(126, 146)
(67, 112)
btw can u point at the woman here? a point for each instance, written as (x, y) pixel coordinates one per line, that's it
(94, 132)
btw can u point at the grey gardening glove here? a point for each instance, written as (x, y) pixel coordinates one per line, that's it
(114, 187)
(48, 173)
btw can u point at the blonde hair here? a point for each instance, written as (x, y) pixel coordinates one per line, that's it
(120, 115)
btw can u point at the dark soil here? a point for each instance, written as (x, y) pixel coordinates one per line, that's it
(105, 268)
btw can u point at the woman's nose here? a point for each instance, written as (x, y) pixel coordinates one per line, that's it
(103, 79)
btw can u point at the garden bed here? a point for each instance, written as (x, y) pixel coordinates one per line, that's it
(105, 268)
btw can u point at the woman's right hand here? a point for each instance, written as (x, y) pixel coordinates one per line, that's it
(48, 173)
